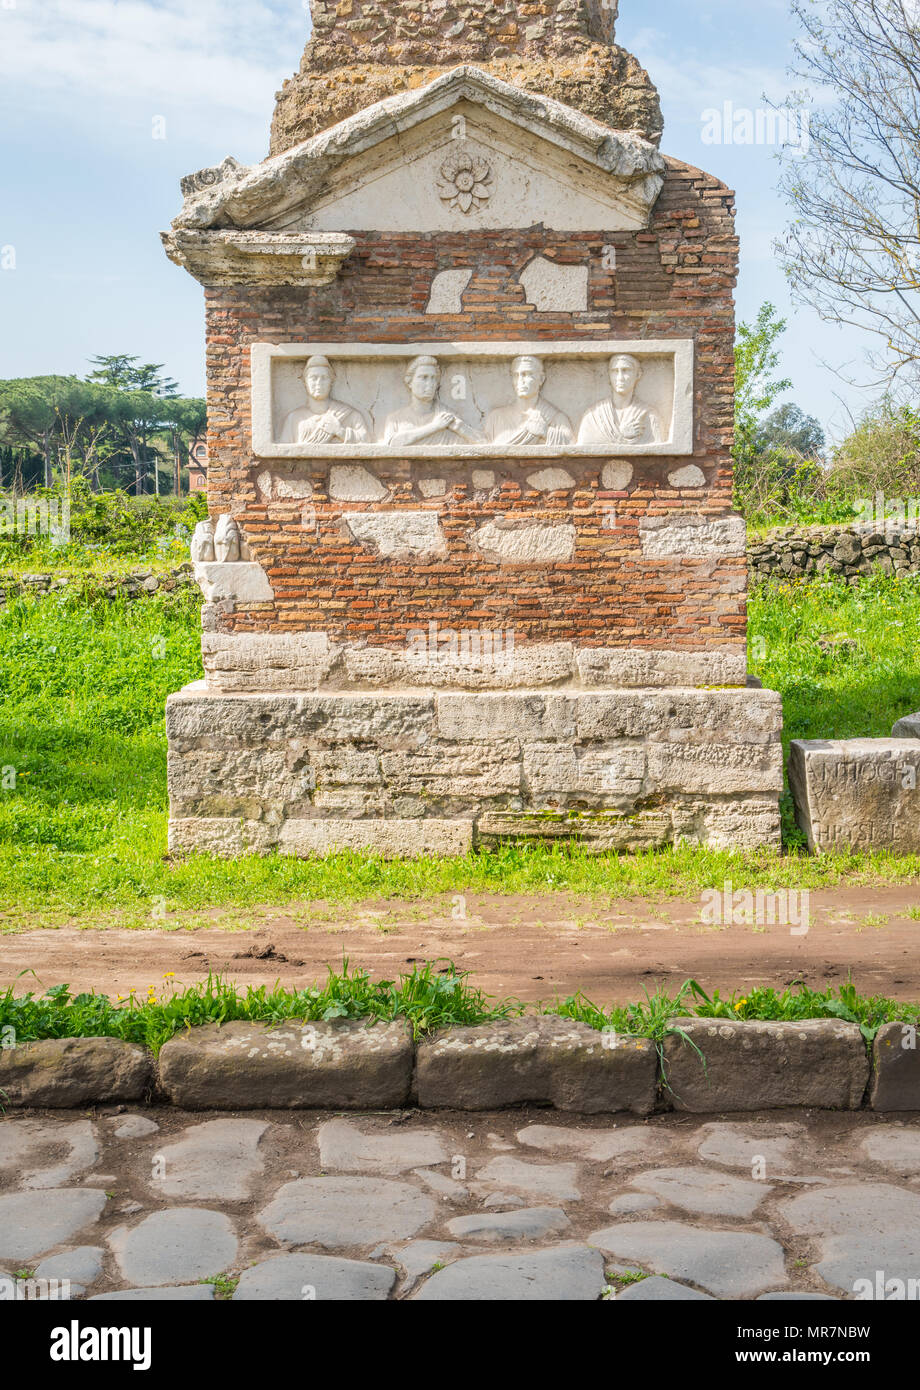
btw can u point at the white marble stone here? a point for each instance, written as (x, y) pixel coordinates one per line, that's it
(688, 476)
(553, 288)
(241, 582)
(525, 545)
(617, 475)
(394, 534)
(692, 537)
(354, 484)
(447, 292)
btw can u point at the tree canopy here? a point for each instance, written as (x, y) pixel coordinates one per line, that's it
(124, 421)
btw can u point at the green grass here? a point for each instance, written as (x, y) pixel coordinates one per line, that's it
(842, 694)
(83, 800)
(432, 996)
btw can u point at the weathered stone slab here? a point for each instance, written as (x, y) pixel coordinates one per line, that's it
(556, 1182)
(536, 1060)
(598, 1145)
(528, 1223)
(746, 1145)
(341, 1064)
(58, 1073)
(338, 1213)
(896, 1147)
(33, 1222)
(136, 1127)
(346, 1147)
(656, 1289)
(392, 838)
(729, 1264)
(765, 1066)
(632, 1202)
(183, 1293)
(866, 1232)
(896, 1068)
(82, 1265)
(704, 1191)
(314, 1277)
(908, 727)
(646, 666)
(218, 1159)
(176, 1246)
(419, 1257)
(31, 1151)
(859, 793)
(571, 1274)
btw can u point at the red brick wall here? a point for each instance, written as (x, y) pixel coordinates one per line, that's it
(674, 281)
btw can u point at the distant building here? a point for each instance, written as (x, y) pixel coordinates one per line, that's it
(198, 467)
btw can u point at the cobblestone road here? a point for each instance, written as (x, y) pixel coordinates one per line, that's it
(526, 1204)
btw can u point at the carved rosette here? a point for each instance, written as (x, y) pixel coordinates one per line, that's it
(464, 182)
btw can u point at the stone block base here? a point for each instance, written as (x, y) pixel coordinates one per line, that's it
(418, 772)
(857, 793)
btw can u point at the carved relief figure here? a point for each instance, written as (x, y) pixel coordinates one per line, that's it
(620, 419)
(227, 540)
(424, 420)
(531, 419)
(202, 547)
(323, 420)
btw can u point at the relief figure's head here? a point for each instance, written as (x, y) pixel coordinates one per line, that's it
(625, 372)
(318, 377)
(528, 375)
(423, 377)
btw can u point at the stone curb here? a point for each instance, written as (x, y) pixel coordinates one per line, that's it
(818, 1063)
(538, 1060)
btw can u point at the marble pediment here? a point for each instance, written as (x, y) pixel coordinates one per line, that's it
(465, 152)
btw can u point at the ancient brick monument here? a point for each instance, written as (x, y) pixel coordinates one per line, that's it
(472, 570)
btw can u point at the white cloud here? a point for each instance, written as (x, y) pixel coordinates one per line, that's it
(101, 58)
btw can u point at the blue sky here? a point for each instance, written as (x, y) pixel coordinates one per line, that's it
(86, 187)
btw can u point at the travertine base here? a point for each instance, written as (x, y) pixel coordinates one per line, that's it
(413, 772)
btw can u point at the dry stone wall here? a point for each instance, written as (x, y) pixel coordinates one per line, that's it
(848, 551)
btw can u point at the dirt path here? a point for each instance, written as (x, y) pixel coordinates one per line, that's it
(530, 947)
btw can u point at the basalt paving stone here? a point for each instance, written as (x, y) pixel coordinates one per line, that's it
(188, 1293)
(46, 1153)
(81, 1266)
(598, 1144)
(633, 1201)
(704, 1190)
(565, 1275)
(216, 1160)
(33, 1222)
(136, 1127)
(346, 1212)
(531, 1223)
(175, 1246)
(741, 1146)
(894, 1146)
(729, 1264)
(445, 1187)
(861, 1229)
(346, 1147)
(658, 1290)
(319, 1277)
(557, 1181)
(790, 1296)
(419, 1258)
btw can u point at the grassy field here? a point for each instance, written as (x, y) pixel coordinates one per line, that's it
(82, 750)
